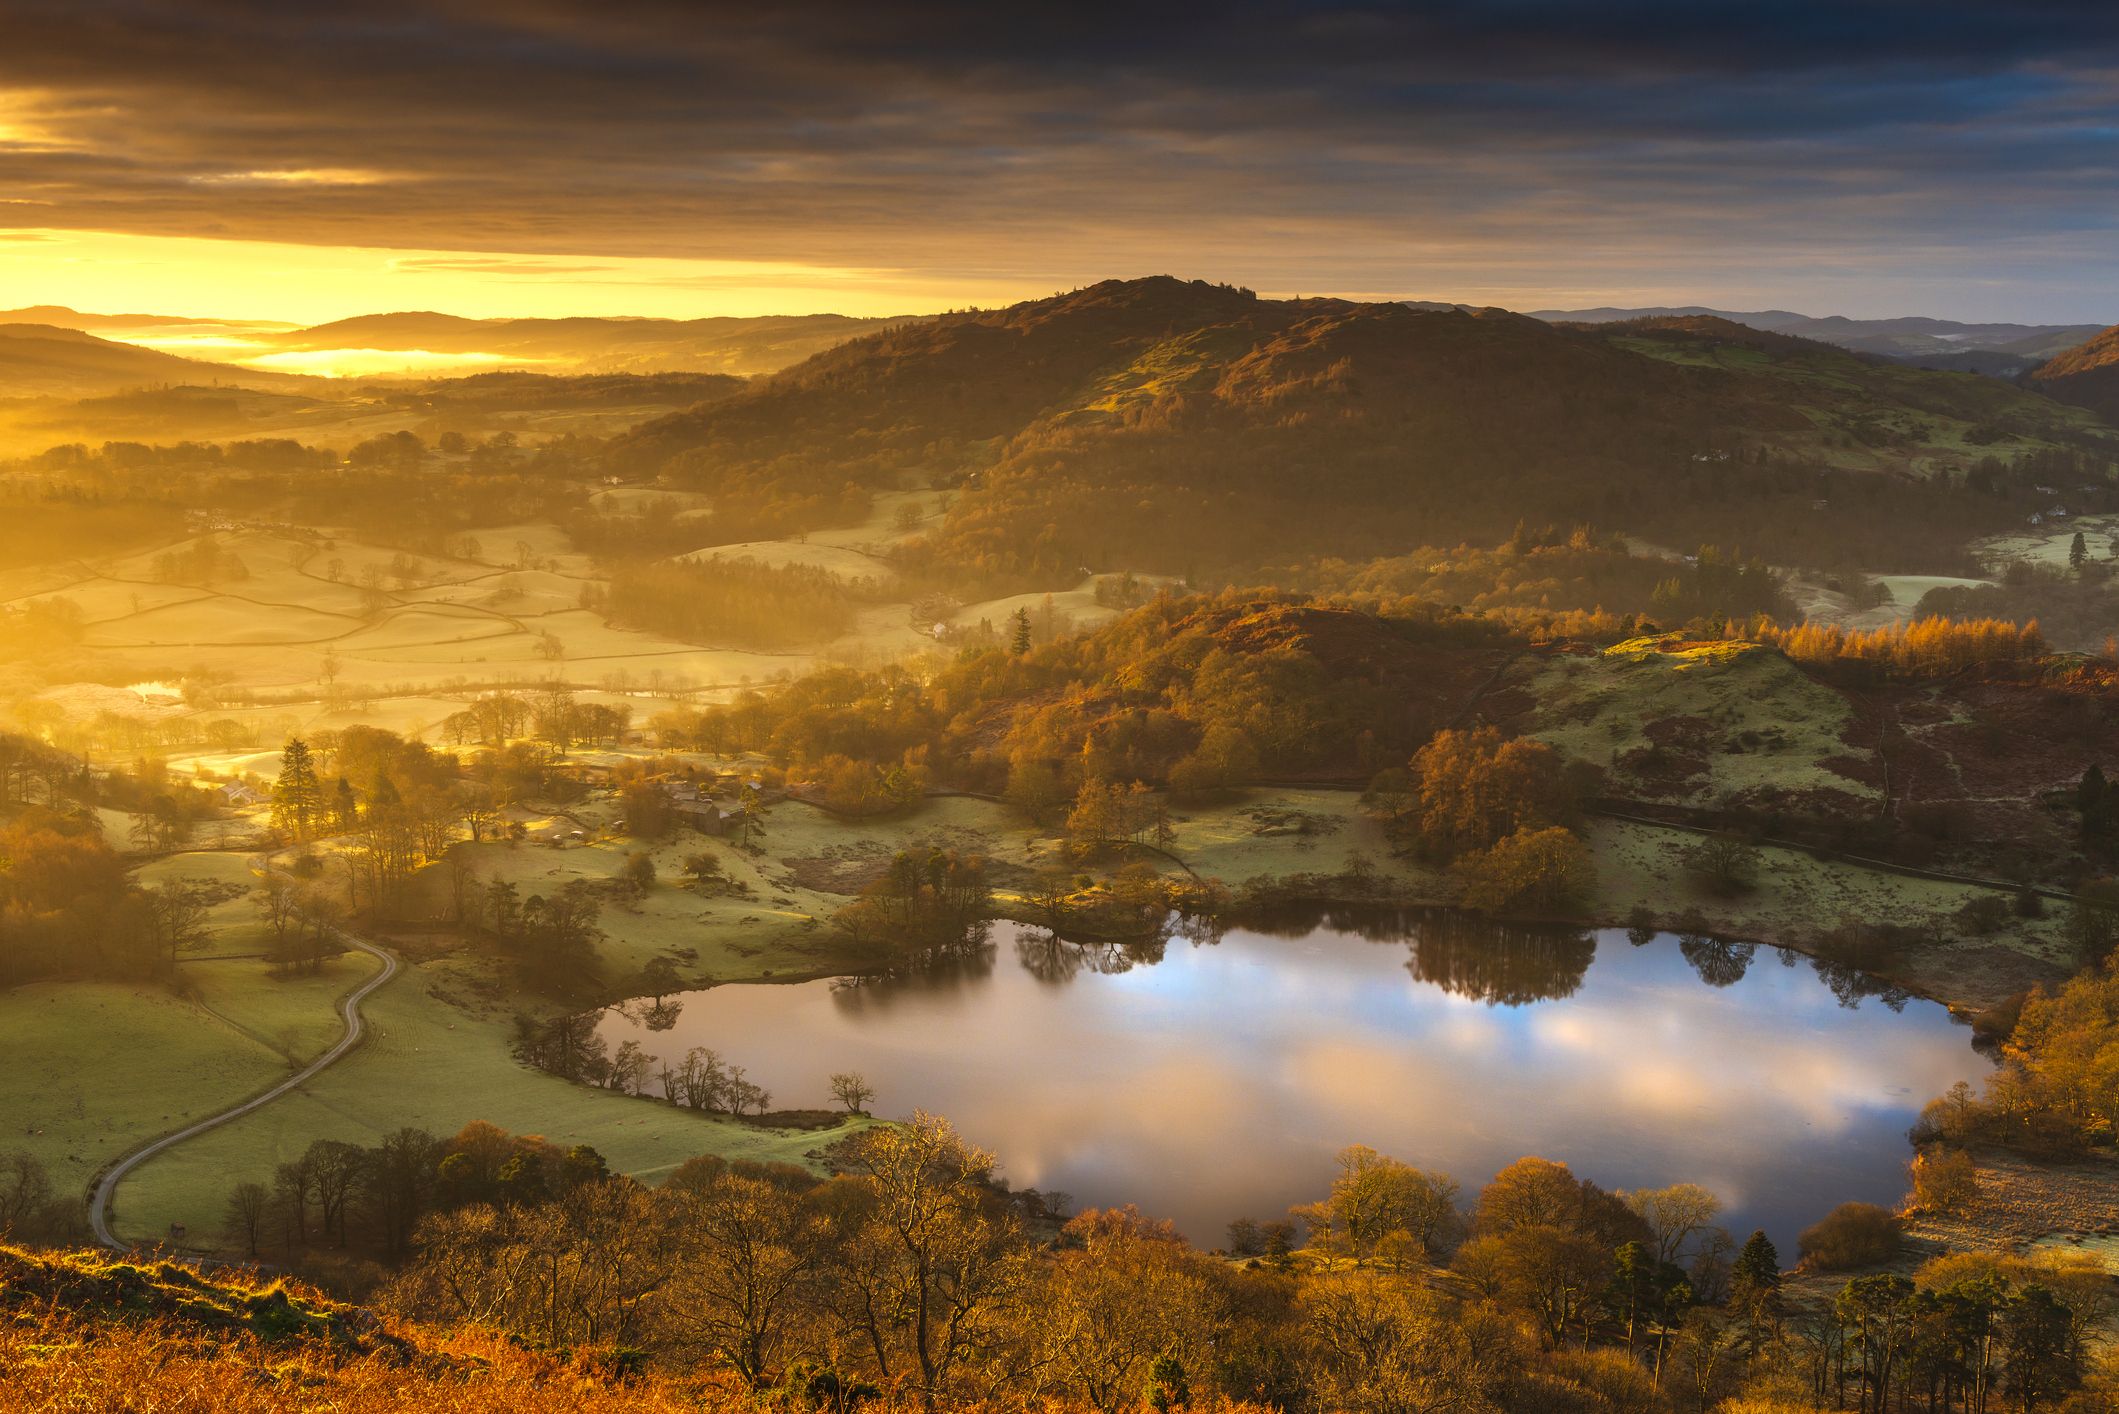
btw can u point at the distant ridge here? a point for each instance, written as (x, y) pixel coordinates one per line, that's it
(2000, 349)
(41, 360)
(743, 346)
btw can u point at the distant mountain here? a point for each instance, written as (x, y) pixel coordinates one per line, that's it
(1915, 340)
(58, 316)
(742, 347)
(39, 360)
(1769, 319)
(2087, 374)
(1191, 428)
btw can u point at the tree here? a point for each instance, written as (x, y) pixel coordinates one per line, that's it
(1123, 1299)
(1380, 1208)
(1675, 1215)
(1539, 870)
(1875, 1309)
(1725, 864)
(1646, 1292)
(297, 800)
(2041, 1360)
(178, 913)
(1471, 789)
(1550, 1274)
(1378, 1344)
(2093, 920)
(1851, 1235)
(1757, 1272)
(248, 1205)
(751, 1247)
(2078, 553)
(934, 1260)
(852, 1092)
(25, 1195)
(1944, 1180)
(1019, 639)
(475, 806)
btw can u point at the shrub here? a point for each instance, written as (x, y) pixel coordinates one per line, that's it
(1725, 865)
(1944, 1181)
(1851, 1235)
(1984, 915)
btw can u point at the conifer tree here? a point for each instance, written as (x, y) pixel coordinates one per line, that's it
(296, 798)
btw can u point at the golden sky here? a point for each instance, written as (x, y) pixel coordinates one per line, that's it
(119, 273)
(251, 158)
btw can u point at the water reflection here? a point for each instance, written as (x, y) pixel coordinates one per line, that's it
(1465, 954)
(1500, 964)
(652, 1013)
(1720, 963)
(1207, 1081)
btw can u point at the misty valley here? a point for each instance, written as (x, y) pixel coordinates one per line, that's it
(547, 824)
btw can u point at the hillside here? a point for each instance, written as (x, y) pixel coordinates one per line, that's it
(737, 346)
(2087, 374)
(40, 360)
(85, 1331)
(1237, 432)
(1930, 342)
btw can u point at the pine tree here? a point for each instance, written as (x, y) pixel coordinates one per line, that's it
(1757, 1272)
(296, 797)
(2077, 552)
(1021, 644)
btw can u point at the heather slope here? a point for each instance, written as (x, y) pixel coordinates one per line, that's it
(2087, 374)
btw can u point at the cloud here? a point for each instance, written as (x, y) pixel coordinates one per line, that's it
(496, 265)
(297, 176)
(1421, 148)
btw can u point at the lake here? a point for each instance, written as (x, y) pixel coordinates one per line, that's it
(1210, 1081)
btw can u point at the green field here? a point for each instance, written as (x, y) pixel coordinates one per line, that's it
(437, 1065)
(97, 1068)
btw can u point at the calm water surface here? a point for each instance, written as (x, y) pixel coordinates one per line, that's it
(1211, 1081)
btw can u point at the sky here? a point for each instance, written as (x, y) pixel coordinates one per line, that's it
(651, 157)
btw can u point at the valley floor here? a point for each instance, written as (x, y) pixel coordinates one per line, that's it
(437, 1052)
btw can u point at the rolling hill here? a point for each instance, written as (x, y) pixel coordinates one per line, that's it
(41, 360)
(1189, 428)
(742, 347)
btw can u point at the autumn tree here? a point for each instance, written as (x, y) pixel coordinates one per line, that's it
(1471, 789)
(1541, 870)
(1381, 1209)
(933, 1263)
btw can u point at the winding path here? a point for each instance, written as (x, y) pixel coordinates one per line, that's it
(349, 1009)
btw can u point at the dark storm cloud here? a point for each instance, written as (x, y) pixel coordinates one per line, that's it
(1366, 144)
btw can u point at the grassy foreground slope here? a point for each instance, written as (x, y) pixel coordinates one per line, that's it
(79, 1331)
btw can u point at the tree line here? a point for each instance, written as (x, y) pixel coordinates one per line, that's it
(913, 1271)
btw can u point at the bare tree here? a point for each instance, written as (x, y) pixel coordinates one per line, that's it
(853, 1092)
(248, 1206)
